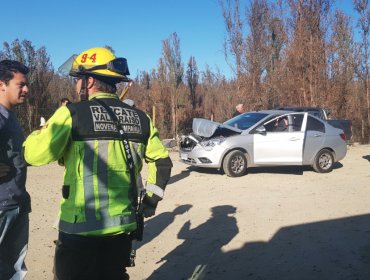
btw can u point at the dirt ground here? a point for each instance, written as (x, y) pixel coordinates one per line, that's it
(273, 223)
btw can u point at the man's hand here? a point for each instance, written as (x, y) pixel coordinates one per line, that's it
(149, 205)
(4, 170)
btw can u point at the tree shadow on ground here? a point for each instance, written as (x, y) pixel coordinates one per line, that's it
(328, 250)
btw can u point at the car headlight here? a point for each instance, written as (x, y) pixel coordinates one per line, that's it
(209, 144)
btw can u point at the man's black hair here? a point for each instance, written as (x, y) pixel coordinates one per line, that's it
(9, 67)
(65, 99)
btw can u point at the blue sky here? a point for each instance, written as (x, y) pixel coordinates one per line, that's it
(135, 29)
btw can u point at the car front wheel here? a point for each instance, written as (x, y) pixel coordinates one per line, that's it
(235, 164)
(324, 161)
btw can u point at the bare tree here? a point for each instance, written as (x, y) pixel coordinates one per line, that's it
(192, 77)
(161, 90)
(282, 52)
(234, 43)
(258, 44)
(307, 56)
(362, 7)
(341, 66)
(275, 63)
(171, 56)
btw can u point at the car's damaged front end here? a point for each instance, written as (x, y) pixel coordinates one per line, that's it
(205, 147)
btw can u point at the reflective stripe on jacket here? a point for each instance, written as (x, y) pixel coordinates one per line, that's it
(97, 197)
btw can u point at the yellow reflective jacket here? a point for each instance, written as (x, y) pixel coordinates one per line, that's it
(97, 197)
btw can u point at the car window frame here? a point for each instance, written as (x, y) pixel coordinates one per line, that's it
(317, 119)
(289, 116)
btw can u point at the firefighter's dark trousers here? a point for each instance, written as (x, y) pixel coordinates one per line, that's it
(92, 258)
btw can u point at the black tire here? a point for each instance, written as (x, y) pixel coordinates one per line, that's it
(235, 164)
(324, 161)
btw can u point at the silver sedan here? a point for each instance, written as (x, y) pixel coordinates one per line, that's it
(263, 138)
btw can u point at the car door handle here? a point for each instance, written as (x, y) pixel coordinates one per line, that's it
(294, 139)
(317, 135)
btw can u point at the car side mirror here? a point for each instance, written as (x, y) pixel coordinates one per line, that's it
(261, 129)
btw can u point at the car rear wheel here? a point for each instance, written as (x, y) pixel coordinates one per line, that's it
(235, 164)
(324, 161)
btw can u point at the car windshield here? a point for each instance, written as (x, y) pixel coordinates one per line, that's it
(246, 120)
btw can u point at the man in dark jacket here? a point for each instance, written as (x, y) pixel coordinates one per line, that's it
(15, 203)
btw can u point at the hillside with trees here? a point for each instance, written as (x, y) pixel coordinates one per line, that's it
(286, 53)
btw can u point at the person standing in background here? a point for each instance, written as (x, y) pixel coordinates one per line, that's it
(64, 101)
(15, 202)
(239, 109)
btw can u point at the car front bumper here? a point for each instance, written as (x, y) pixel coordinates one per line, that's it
(198, 156)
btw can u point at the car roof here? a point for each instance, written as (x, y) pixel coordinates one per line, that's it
(272, 112)
(298, 107)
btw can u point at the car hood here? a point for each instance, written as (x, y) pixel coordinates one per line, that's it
(207, 128)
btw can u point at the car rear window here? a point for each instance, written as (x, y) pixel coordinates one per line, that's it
(246, 120)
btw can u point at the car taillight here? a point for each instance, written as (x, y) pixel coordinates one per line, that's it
(343, 136)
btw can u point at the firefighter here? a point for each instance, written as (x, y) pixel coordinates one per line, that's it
(97, 218)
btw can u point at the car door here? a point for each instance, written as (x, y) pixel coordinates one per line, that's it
(315, 137)
(281, 147)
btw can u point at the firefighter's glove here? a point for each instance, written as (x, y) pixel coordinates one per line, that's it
(148, 205)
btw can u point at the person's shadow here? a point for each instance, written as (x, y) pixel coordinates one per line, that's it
(366, 157)
(156, 225)
(201, 247)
